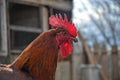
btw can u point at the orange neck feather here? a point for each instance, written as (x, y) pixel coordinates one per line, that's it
(40, 57)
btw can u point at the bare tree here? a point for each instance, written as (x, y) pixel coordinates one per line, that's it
(108, 21)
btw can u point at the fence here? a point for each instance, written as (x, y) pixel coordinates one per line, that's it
(107, 58)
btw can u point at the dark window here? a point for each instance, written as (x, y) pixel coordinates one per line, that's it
(24, 15)
(25, 25)
(20, 39)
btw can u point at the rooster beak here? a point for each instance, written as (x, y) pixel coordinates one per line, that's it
(75, 39)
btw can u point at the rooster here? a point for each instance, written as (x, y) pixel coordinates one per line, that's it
(38, 61)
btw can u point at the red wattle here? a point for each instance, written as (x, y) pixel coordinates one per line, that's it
(65, 49)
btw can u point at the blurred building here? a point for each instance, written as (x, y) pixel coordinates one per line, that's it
(21, 21)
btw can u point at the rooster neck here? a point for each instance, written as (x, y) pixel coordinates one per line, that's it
(44, 66)
(40, 57)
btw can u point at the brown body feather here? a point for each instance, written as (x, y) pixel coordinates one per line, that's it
(40, 57)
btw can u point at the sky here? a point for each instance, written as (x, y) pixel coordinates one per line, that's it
(98, 10)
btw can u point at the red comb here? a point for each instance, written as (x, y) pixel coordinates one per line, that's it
(58, 21)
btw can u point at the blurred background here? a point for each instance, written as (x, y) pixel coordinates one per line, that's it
(97, 54)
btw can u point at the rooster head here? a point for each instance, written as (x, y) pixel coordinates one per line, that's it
(66, 32)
